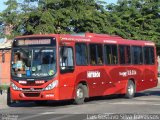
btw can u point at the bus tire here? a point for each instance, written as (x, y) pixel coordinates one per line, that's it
(130, 92)
(40, 102)
(80, 94)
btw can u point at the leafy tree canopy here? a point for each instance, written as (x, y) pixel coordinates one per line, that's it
(136, 19)
(131, 19)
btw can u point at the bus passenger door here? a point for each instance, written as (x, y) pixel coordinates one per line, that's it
(67, 75)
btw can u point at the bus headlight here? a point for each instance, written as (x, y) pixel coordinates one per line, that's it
(52, 85)
(14, 87)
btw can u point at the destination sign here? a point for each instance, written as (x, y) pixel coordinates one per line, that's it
(34, 42)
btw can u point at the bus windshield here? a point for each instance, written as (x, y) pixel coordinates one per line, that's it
(33, 62)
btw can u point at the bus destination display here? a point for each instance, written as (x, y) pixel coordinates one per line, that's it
(34, 42)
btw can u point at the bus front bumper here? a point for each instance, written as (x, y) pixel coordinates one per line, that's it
(43, 95)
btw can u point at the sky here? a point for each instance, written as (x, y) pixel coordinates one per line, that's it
(2, 6)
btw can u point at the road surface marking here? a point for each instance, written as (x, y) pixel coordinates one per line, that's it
(135, 103)
(30, 117)
(47, 113)
(62, 117)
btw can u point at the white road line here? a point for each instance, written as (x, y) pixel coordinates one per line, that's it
(147, 98)
(30, 117)
(47, 113)
(61, 117)
(134, 103)
(155, 104)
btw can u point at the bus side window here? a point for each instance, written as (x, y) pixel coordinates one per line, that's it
(100, 54)
(125, 57)
(81, 54)
(110, 59)
(114, 59)
(122, 54)
(149, 57)
(100, 60)
(137, 55)
(92, 61)
(114, 54)
(93, 54)
(111, 54)
(96, 54)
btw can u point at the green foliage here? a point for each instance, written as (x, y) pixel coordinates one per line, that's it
(131, 19)
(65, 16)
(136, 19)
(4, 87)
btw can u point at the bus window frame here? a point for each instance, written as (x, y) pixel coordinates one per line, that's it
(87, 53)
(125, 45)
(133, 56)
(96, 54)
(117, 56)
(154, 55)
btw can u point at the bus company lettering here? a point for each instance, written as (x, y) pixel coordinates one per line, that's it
(93, 74)
(128, 72)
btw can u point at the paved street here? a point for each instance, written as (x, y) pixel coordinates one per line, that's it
(146, 102)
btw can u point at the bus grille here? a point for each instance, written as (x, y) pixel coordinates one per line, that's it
(32, 90)
(32, 83)
(32, 94)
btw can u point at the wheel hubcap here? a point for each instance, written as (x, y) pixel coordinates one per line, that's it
(130, 89)
(79, 93)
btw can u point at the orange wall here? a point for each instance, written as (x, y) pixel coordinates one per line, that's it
(5, 67)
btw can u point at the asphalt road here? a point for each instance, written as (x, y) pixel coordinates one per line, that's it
(146, 102)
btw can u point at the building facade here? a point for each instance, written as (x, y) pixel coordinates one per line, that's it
(5, 56)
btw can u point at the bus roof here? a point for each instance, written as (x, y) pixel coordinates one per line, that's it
(93, 38)
(104, 38)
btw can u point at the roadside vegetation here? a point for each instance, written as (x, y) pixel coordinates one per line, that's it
(4, 87)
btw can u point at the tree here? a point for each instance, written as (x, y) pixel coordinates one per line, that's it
(131, 19)
(136, 19)
(65, 16)
(14, 16)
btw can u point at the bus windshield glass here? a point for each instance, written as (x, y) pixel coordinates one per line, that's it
(33, 62)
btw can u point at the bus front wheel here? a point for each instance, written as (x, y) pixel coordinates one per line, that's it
(80, 94)
(130, 90)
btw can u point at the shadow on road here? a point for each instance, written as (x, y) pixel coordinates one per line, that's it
(48, 104)
(148, 93)
(90, 100)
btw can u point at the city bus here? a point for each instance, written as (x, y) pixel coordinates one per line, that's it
(75, 67)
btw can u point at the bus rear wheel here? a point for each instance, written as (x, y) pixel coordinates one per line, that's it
(80, 94)
(130, 90)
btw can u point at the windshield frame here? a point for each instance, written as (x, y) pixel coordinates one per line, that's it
(36, 47)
